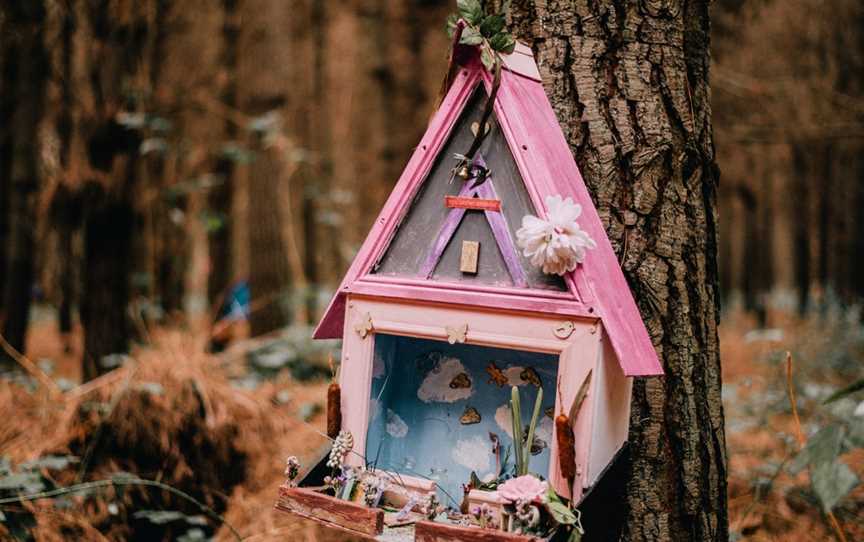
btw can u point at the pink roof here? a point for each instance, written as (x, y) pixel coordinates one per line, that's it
(596, 289)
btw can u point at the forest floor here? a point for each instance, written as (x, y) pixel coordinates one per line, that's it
(219, 428)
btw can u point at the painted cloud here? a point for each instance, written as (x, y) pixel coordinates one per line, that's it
(396, 426)
(503, 419)
(473, 453)
(436, 386)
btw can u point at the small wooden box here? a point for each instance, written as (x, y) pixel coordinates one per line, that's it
(332, 512)
(428, 531)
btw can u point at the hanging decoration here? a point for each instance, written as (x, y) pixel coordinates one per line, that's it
(556, 244)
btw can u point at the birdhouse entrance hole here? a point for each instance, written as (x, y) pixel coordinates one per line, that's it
(434, 406)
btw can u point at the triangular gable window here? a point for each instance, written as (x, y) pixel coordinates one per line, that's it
(430, 241)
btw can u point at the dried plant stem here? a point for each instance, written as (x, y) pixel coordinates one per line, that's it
(802, 440)
(123, 482)
(30, 367)
(790, 389)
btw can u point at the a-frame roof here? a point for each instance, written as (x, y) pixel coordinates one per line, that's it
(596, 289)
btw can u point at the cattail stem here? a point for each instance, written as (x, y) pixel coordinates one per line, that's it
(334, 410)
(566, 447)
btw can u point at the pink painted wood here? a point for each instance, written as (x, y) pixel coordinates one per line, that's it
(501, 232)
(597, 287)
(578, 353)
(451, 223)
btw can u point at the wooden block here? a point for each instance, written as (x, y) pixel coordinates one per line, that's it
(470, 255)
(330, 511)
(428, 531)
(476, 204)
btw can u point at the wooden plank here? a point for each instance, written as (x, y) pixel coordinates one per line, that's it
(428, 531)
(477, 204)
(502, 235)
(330, 511)
(470, 257)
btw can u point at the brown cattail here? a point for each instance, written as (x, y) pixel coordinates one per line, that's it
(564, 431)
(566, 446)
(334, 410)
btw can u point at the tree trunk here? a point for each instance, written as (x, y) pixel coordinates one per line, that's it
(65, 204)
(115, 49)
(272, 89)
(629, 83)
(108, 229)
(220, 199)
(6, 110)
(802, 233)
(27, 69)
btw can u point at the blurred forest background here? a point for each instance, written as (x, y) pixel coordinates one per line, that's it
(158, 157)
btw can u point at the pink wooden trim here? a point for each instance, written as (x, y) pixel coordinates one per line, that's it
(355, 381)
(415, 483)
(485, 497)
(400, 198)
(510, 303)
(467, 287)
(574, 364)
(521, 61)
(611, 414)
(485, 328)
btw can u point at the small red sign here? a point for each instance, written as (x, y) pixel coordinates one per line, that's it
(458, 202)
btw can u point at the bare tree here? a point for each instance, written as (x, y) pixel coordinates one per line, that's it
(25, 73)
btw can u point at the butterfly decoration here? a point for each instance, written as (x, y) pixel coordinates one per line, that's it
(364, 326)
(460, 381)
(537, 446)
(470, 416)
(456, 334)
(530, 375)
(496, 375)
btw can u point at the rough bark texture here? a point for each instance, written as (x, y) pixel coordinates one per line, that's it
(629, 83)
(115, 45)
(221, 197)
(266, 92)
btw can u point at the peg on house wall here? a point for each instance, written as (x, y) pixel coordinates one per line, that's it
(470, 256)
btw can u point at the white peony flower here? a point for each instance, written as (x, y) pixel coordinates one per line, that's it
(558, 244)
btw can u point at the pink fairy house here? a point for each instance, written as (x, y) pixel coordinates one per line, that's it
(480, 274)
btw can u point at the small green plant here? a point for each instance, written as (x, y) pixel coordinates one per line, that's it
(522, 448)
(483, 30)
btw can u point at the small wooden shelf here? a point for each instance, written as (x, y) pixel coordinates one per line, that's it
(428, 531)
(332, 512)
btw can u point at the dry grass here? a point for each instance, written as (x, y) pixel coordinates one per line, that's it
(766, 502)
(203, 435)
(199, 434)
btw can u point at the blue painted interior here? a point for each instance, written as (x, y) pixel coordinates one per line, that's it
(432, 430)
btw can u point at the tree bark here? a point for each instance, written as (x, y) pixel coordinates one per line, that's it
(629, 83)
(115, 49)
(27, 71)
(220, 199)
(6, 109)
(266, 86)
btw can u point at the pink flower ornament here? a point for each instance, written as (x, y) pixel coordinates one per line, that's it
(525, 488)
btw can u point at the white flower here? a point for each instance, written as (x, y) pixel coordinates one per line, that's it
(558, 244)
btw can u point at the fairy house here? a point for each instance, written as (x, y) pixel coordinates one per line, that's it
(442, 311)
